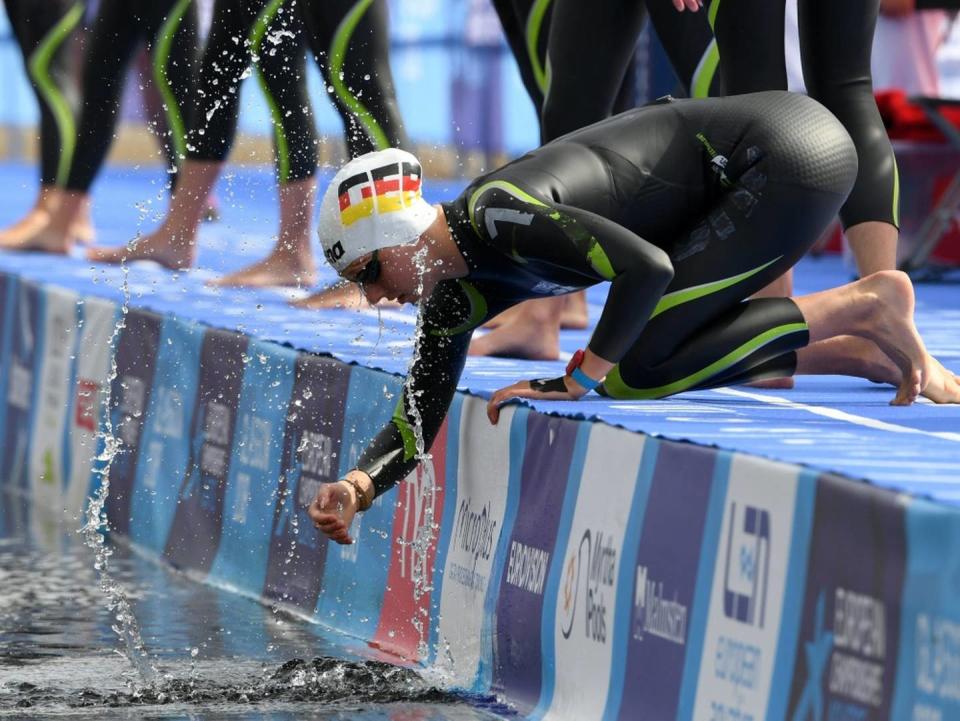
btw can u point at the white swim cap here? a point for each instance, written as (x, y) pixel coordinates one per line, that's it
(373, 202)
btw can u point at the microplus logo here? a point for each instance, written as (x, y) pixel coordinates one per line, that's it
(747, 570)
(596, 560)
(474, 530)
(656, 615)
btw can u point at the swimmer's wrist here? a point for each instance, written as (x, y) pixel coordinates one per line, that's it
(361, 488)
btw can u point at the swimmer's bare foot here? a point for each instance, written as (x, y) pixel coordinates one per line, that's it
(943, 386)
(573, 317)
(342, 294)
(282, 267)
(170, 249)
(47, 239)
(35, 220)
(525, 336)
(888, 322)
(783, 384)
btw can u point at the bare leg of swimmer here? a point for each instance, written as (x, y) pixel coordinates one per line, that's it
(880, 308)
(290, 263)
(173, 244)
(67, 221)
(533, 333)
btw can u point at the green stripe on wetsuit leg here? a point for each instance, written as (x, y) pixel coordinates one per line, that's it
(255, 39)
(168, 30)
(533, 28)
(338, 53)
(679, 297)
(39, 67)
(706, 69)
(617, 388)
(896, 194)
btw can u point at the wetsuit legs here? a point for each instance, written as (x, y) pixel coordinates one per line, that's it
(45, 34)
(835, 42)
(351, 43)
(702, 333)
(580, 90)
(169, 29)
(836, 39)
(272, 38)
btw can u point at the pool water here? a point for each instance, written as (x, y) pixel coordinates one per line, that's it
(219, 655)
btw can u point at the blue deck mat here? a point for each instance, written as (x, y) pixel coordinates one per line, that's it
(830, 423)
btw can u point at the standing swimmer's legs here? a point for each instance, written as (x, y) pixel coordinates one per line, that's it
(46, 35)
(577, 93)
(836, 40)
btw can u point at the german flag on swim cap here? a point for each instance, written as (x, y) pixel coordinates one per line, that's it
(373, 202)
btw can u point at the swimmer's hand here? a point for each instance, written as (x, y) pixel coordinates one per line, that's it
(563, 388)
(691, 5)
(333, 509)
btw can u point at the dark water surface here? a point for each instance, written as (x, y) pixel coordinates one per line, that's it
(219, 655)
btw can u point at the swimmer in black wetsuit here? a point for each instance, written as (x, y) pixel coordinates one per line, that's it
(168, 28)
(349, 40)
(46, 34)
(686, 208)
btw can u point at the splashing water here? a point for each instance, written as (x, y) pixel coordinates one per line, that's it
(95, 525)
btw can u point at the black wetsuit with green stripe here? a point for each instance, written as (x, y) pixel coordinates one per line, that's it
(348, 38)
(268, 35)
(836, 40)
(169, 30)
(686, 208)
(46, 34)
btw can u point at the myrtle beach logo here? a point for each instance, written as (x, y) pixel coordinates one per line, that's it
(600, 556)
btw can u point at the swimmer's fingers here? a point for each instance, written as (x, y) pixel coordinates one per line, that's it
(332, 512)
(553, 389)
(691, 5)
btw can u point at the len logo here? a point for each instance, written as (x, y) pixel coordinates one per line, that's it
(747, 565)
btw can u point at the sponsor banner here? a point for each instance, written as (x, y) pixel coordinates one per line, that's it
(543, 476)
(197, 524)
(166, 438)
(8, 306)
(87, 417)
(255, 468)
(136, 361)
(928, 670)
(847, 650)
(48, 456)
(26, 347)
(753, 569)
(355, 577)
(662, 581)
(583, 615)
(475, 535)
(311, 451)
(404, 627)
